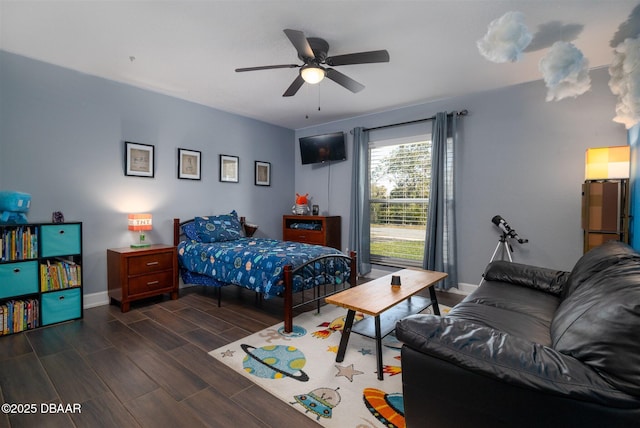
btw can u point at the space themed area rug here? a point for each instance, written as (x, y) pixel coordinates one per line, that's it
(300, 369)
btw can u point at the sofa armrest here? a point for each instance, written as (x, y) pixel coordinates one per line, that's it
(543, 279)
(506, 358)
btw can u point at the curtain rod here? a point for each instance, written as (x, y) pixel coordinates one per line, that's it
(460, 113)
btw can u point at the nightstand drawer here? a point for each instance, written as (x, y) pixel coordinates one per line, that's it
(61, 306)
(60, 240)
(150, 263)
(150, 283)
(312, 229)
(18, 278)
(306, 236)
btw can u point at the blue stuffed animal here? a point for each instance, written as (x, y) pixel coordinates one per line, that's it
(14, 206)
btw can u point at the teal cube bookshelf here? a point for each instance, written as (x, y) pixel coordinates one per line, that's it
(40, 275)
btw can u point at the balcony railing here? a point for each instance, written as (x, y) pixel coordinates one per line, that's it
(398, 228)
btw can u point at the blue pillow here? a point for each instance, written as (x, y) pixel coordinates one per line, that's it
(219, 228)
(189, 229)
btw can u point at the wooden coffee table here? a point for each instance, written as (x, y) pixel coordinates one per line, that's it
(386, 305)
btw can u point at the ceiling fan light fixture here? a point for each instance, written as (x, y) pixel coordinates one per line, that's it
(312, 74)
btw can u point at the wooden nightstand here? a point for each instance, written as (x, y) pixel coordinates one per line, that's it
(138, 273)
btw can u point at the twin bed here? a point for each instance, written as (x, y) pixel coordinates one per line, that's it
(214, 251)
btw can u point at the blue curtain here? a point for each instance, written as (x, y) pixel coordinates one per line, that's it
(359, 240)
(440, 240)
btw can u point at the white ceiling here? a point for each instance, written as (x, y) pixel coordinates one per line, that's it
(190, 49)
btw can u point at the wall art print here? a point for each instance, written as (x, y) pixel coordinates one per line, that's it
(229, 171)
(263, 173)
(138, 159)
(189, 165)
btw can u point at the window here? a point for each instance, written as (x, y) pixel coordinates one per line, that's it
(399, 179)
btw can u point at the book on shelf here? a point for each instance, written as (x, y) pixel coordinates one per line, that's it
(60, 274)
(19, 243)
(19, 315)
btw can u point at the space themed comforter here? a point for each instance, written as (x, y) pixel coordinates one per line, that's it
(258, 264)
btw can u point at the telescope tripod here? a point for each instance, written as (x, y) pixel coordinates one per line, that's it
(505, 247)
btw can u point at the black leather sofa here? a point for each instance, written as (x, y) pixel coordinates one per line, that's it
(531, 347)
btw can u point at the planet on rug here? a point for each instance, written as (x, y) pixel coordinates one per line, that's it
(275, 362)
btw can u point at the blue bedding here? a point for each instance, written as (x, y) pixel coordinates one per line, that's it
(258, 264)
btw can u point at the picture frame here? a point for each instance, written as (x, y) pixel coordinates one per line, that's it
(262, 173)
(229, 169)
(189, 164)
(139, 160)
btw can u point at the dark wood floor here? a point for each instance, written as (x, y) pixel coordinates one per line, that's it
(145, 368)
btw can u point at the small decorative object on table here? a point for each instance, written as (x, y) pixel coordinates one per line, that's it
(250, 229)
(302, 204)
(140, 223)
(57, 217)
(315, 210)
(395, 281)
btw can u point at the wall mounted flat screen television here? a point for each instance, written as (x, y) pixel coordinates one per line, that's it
(323, 148)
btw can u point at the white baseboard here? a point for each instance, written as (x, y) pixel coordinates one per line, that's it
(95, 299)
(464, 288)
(102, 298)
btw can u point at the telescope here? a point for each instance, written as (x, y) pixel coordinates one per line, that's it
(504, 245)
(504, 226)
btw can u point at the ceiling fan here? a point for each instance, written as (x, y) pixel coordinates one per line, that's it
(313, 52)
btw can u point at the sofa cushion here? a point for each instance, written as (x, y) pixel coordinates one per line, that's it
(599, 258)
(599, 323)
(543, 279)
(519, 311)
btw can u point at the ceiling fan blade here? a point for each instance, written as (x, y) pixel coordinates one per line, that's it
(299, 41)
(359, 58)
(267, 67)
(293, 88)
(344, 80)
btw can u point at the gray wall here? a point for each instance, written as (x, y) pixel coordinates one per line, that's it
(61, 137)
(520, 157)
(61, 140)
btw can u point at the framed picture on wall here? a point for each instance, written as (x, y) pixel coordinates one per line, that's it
(188, 164)
(229, 168)
(263, 173)
(138, 159)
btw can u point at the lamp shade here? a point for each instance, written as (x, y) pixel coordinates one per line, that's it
(140, 222)
(604, 163)
(312, 74)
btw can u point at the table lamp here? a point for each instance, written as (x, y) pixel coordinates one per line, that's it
(140, 223)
